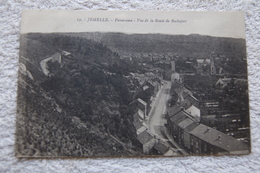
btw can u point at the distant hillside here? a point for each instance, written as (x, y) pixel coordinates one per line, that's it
(186, 45)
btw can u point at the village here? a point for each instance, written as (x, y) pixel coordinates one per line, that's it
(93, 99)
(174, 116)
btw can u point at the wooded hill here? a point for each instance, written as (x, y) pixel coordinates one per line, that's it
(194, 45)
(81, 109)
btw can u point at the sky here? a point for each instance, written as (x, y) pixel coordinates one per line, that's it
(219, 24)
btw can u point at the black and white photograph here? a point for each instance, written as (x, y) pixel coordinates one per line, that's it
(132, 84)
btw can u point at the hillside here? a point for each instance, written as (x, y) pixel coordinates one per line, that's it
(80, 109)
(193, 45)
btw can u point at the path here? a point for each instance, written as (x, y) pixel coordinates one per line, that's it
(156, 120)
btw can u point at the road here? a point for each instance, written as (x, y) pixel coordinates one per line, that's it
(156, 119)
(158, 109)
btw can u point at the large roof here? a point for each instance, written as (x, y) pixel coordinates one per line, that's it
(191, 126)
(144, 137)
(161, 147)
(138, 125)
(173, 110)
(189, 95)
(183, 124)
(138, 115)
(208, 134)
(179, 117)
(217, 138)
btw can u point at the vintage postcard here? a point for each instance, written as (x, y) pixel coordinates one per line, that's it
(132, 84)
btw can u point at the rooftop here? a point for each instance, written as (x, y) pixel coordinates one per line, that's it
(191, 127)
(183, 124)
(162, 148)
(217, 138)
(136, 116)
(144, 137)
(189, 95)
(179, 117)
(138, 124)
(141, 101)
(173, 110)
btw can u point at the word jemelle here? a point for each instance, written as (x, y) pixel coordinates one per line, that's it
(90, 19)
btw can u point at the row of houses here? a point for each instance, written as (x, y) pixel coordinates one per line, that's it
(146, 140)
(198, 138)
(149, 143)
(149, 56)
(148, 86)
(186, 100)
(224, 82)
(147, 89)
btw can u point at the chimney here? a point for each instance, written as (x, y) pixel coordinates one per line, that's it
(207, 130)
(219, 137)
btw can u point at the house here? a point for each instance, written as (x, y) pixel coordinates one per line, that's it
(211, 104)
(205, 139)
(47, 62)
(167, 75)
(179, 88)
(175, 77)
(199, 61)
(173, 121)
(161, 147)
(173, 110)
(154, 85)
(147, 141)
(223, 82)
(66, 57)
(56, 58)
(201, 139)
(241, 82)
(66, 53)
(138, 116)
(140, 106)
(185, 127)
(188, 100)
(171, 152)
(194, 112)
(207, 61)
(201, 64)
(139, 126)
(149, 88)
(140, 78)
